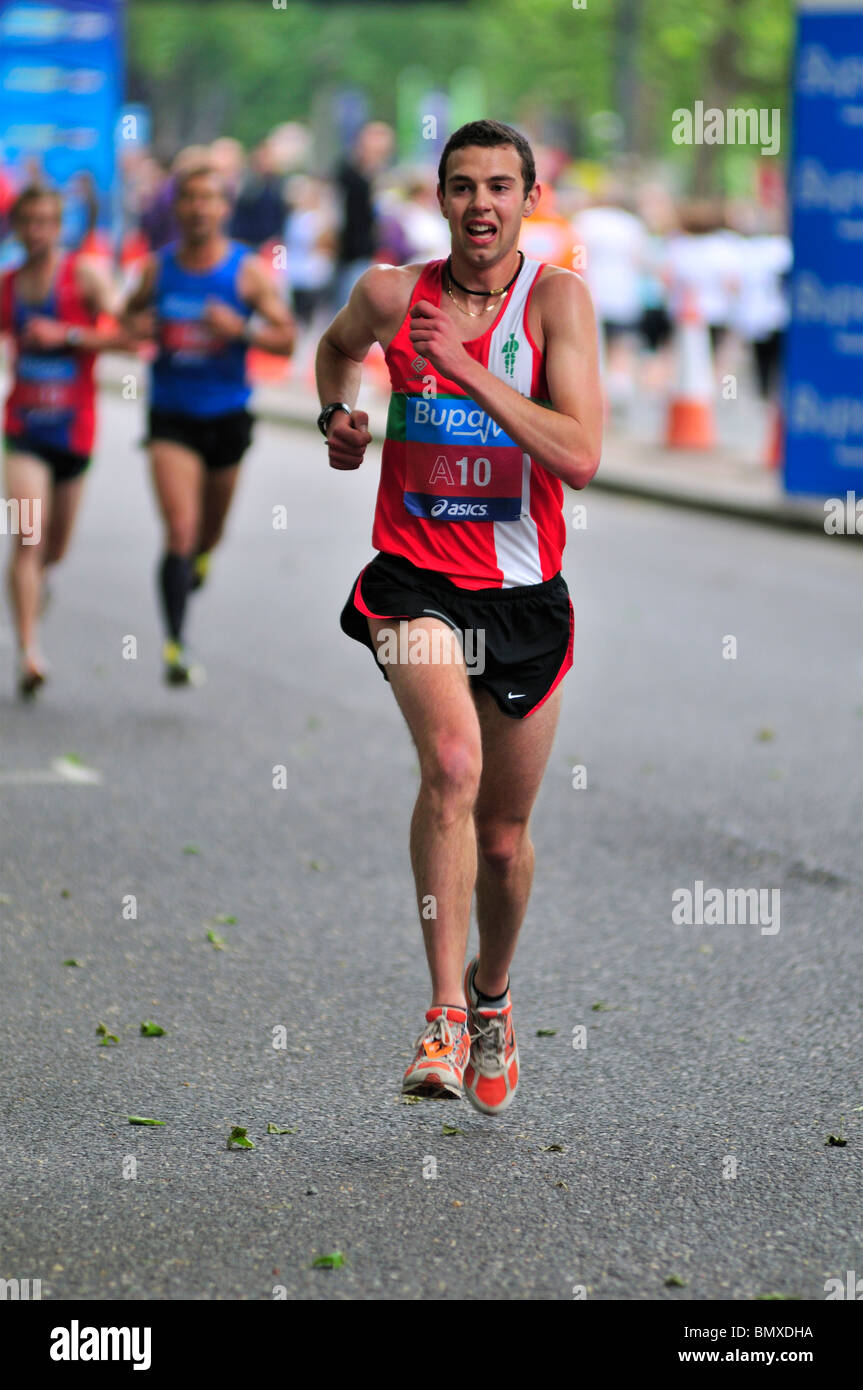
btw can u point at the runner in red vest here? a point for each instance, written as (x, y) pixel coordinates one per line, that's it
(49, 306)
(495, 404)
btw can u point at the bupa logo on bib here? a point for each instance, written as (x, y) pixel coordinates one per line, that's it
(460, 465)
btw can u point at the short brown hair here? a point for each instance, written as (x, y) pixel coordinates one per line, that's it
(199, 171)
(489, 134)
(34, 193)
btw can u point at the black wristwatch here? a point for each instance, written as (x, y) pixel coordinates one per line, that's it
(328, 412)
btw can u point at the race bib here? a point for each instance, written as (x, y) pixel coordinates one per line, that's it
(46, 386)
(460, 465)
(188, 340)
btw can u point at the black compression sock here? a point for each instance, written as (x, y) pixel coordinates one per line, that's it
(175, 578)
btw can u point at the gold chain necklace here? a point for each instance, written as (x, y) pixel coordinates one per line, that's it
(471, 315)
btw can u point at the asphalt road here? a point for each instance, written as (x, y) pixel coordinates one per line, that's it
(710, 1049)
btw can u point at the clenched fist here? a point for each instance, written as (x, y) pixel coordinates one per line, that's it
(347, 439)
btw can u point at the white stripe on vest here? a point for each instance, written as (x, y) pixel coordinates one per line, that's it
(510, 358)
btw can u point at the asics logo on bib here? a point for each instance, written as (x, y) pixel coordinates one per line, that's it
(446, 507)
(440, 421)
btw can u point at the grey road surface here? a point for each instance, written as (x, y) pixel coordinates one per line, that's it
(673, 1123)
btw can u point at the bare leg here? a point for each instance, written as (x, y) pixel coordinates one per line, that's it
(29, 483)
(178, 477)
(435, 699)
(515, 754)
(219, 488)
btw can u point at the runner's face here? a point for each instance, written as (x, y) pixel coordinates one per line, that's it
(201, 209)
(484, 202)
(37, 226)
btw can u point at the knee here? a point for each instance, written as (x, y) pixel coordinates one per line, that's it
(451, 773)
(501, 843)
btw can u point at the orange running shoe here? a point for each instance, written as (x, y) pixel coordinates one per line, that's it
(491, 1075)
(443, 1049)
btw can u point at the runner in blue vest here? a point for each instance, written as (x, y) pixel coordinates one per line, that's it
(196, 298)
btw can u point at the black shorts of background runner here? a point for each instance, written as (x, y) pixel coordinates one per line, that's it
(65, 464)
(221, 440)
(527, 631)
(767, 354)
(656, 327)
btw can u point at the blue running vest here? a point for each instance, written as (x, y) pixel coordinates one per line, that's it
(193, 374)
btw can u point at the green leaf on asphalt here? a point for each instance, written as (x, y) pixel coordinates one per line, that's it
(546, 1032)
(600, 1007)
(772, 1298)
(332, 1261)
(72, 758)
(149, 1029)
(451, 1129)
(142, 1120)
(216, 940)
(275, 1129)
(240, 1137)
(836, 1141)
(855, 1108)
(674, 1281)
(224, 919)
(313, 864)
(64, 893)
(71, 961)
(191, 849)
(551, 1149)
(410, 1100)
(106, 1037)
(765, 735)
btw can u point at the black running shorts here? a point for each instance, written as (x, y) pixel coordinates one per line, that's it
(517, 642)
(220, 440)
(64, 463)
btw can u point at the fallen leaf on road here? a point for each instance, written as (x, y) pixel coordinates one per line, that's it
(333, 1261)
(274, 1129)
(451, 1129)
(674, 1281)
(71, 962)
(551, 1149)
(240, 1137)
(546, 1032)
(216, 940)
(149, 1029)
(141, 1120)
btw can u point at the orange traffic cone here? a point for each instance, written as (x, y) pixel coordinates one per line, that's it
(691, 422)
(775, 453)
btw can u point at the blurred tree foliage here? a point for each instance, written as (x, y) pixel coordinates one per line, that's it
(239, 68)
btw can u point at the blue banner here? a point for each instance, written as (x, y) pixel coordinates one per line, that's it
(824, 377)
(61, 80)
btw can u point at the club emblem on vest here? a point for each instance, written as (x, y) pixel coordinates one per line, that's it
(510, 348)
(418, 364)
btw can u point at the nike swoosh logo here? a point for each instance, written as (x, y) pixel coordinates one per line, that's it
(510, 696)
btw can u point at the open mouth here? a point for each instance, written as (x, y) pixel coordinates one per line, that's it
(479, 232)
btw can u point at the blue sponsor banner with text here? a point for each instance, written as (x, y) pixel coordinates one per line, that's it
(824, 374)
(61, 79)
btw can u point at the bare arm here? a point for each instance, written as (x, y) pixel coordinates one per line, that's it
(136, 315)
(566, 439)
(377, 298)
(279, 333)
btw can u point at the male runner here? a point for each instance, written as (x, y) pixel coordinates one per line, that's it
(197, 296)
(49, 305)
(488, 417)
